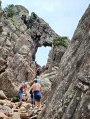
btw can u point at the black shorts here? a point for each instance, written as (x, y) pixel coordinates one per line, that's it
(37, 95)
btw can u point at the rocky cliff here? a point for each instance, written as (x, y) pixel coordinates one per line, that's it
(41, 33)
(20, 36)
(70, 95)
(67, 87)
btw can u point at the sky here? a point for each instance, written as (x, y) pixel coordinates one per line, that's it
(42, 55)
(62, 15)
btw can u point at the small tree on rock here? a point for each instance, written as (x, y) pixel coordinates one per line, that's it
(61, 41)
(9, 10)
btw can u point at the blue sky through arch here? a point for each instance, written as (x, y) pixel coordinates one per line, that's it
(42, 55)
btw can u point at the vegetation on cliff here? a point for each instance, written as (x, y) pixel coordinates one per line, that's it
(9, 10)
(60, 41)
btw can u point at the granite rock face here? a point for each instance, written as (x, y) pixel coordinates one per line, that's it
(19, 40)
(2, 95)
(20, 10)
(55, 55)
(16, 47)
(70, 95)
(46, 83)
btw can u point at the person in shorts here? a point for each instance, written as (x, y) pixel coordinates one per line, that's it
(37, 92)
(21, 92)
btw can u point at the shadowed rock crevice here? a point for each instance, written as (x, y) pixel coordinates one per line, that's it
(3, 68)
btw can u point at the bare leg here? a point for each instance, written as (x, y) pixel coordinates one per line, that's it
(36, 103)
(39, 103)
(20, 99)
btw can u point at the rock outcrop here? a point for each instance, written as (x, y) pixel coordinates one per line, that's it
(55, 55)
(41, 33)
(16, 64)
(59, 46)
(2, 95)
(46, 82)
(19, 40)
(39, 29)
(70, 96)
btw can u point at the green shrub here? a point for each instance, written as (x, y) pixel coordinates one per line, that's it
(61, 41)
(16, 99)
(9, 10)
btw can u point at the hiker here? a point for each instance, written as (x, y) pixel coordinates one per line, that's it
(32, 97)
(25, 91)
(38, 71)
(37, 92)
(38, 79)
(21, 92)
(25, 88)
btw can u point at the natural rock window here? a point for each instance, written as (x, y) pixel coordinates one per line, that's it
(42, 55)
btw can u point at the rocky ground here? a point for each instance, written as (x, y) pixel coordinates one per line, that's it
(65, 79)
(9, 109)
(18, 110)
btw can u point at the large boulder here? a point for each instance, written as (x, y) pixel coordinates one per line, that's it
(46, 88)
(6, 110)
(7, 85)
(55, 55)
(46, 81)
(70, 96)
(2, 115)
(16, 116)
(2, 95)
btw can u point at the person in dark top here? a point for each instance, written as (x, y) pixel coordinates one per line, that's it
(38, 71)
(32, 97)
